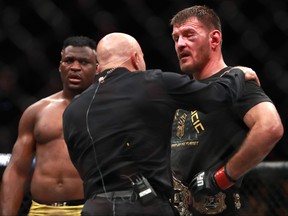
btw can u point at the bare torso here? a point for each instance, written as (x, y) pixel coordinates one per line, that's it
(55, 178)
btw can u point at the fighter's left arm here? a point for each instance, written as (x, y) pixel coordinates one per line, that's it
(266, 130)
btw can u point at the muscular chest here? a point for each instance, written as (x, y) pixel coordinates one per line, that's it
(48, 126)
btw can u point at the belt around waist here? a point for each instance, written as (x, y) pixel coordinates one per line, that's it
(115, 194)
(124, 194)
(64, 203)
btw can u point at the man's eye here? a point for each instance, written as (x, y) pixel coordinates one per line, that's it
(175, 39)
(84, 62)
(190, 35)
(68, 61)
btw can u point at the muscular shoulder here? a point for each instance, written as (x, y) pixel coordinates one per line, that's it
(46, 115)
(36, 108)
(252, 96)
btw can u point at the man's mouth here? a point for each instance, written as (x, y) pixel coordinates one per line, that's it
(74, 79)
(183, 56)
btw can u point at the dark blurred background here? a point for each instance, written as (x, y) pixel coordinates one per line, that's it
(255, 34)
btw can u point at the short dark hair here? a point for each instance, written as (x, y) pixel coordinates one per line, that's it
(79, 41)
(203, 13)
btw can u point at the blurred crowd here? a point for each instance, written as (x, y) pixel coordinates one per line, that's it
(31, 34)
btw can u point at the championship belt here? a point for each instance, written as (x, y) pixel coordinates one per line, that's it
(211, 205)
(181, 198)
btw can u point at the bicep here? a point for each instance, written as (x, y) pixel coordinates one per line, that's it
(23, 149)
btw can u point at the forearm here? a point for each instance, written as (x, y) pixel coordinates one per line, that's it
(12, 193)
(253, 150)
(266, 130)
(257, 145)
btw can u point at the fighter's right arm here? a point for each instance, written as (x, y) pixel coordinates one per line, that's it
(17, 172)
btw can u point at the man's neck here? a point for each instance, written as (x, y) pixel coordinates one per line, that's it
(209, 70)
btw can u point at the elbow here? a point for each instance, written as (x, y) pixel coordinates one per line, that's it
(278, 131)
(275, 131)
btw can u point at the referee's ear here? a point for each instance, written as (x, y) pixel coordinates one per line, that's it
(97, 68)
(135, 59)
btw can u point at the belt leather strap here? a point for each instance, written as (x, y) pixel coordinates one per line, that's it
(64, 203)
(116, 194)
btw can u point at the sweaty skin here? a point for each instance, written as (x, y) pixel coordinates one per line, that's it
(40, 133)
(54, 177)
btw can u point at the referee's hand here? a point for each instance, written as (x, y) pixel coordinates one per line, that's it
(249, 74)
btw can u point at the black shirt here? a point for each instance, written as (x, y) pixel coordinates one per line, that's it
(206, 141)
(123, 125)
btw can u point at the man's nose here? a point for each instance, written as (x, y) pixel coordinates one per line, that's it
(76, 65)
(181, 41)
